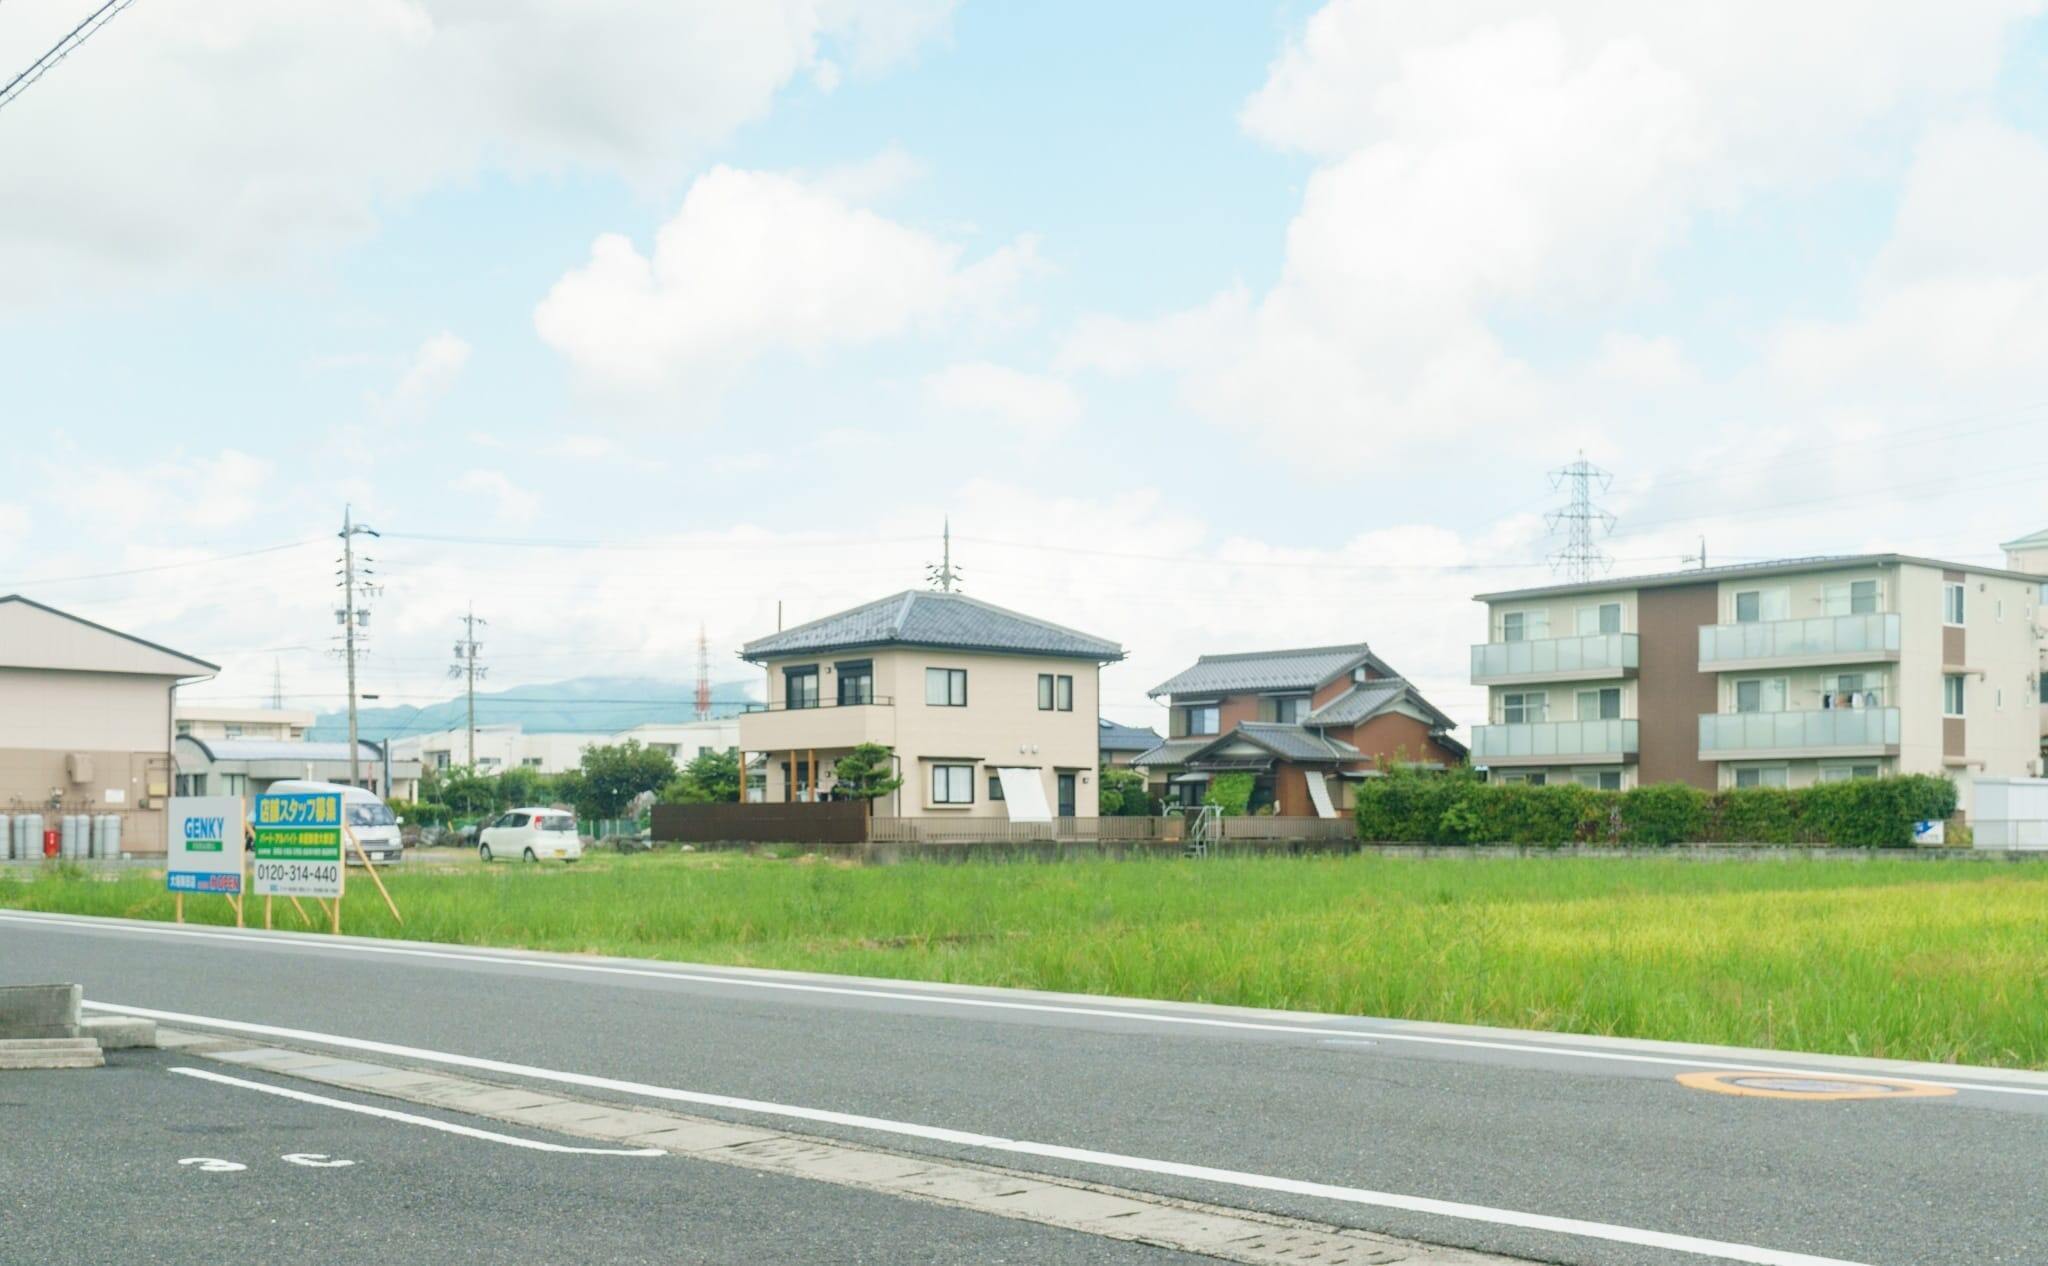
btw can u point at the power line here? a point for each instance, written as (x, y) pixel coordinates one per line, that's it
(61, 49)
(141, 571)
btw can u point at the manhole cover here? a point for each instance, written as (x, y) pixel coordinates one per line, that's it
(1775, 1085)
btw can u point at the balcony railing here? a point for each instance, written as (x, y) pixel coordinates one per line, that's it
(1555, 658)
(1829, 731)
(1828, 639)
(783, 705)
(1536, 742)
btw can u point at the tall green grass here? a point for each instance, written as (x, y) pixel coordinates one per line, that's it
(1897, 959)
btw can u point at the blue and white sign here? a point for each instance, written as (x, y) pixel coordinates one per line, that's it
(206, 845)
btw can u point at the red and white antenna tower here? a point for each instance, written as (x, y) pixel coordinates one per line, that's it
(703, 675)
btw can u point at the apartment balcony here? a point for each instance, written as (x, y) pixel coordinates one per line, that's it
(1555, 743)
(777, 727)
(1799, 735)
(1590, 657)
(1812, 643)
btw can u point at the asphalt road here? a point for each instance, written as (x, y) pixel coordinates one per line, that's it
(1526, 1126)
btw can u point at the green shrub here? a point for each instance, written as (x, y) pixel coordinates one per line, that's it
(1663, 813)
(1406, 805)
(1758, 815)
(1230, 793)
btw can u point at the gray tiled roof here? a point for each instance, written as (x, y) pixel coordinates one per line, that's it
(1302, 669)
(919, 617)
(1125, 738)
(1361, 701)
(1293, 742)
(1172, 752)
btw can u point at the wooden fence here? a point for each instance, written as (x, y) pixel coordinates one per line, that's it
(825, 822)
(1003, 831)
(846, 823)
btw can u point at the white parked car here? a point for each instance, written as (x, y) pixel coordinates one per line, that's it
(530, 835)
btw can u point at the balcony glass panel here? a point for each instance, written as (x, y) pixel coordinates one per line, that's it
(1738, 732)
(1554, 738)
(1594, 652)
(1842, 636)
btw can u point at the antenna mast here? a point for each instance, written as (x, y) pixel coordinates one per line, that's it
(1581, 521)
(944, 576)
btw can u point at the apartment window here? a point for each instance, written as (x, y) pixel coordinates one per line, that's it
(1525, 626)
(1600, 705)
(800, 687)
(1952, 603)
(952, 784)
(1858, 597)
(1605, 618)
(2042, 688)
(1762, 776)
(439, 759)
(531, 762)
(1063, 693)
(1754, 606)
(856, 683)
(945, 687)
(995, 785)
(1600, 779)
(1518, 709)
(1204, 718)
(1844, 773)
(1534, 779)
(1291, 710)
(231, 730)
(234, 784)
(1952, 694)
(1765, 694)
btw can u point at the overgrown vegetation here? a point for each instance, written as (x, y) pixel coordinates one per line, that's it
(1901, 958)
(1230, 793)
(1413, 806)
(1123, 794)
(608, 779)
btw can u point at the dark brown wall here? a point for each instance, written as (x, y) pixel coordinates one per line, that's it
(1952, 735)
(1955, 648)
(1393, 734)
(825, 822)
(1671, 691)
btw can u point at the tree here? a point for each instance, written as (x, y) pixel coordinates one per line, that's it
(466, 792)
(1123, 793)
(1230, 793)
(866, 772)
(711, 777)
(612, 774)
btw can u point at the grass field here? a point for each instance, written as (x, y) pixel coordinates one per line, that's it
(1887, 958)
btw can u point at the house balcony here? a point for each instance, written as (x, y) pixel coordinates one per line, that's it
(1590, 657)
(1812, 643)
(1611, 742)
(1799, 735)
(777, 727)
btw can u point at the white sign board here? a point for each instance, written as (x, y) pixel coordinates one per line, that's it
(298, 844)
(206, 845)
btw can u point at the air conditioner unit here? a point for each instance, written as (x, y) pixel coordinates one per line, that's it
(78, 767)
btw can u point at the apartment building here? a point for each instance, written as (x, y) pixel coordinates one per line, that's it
(203, 720)
(1764, 675)
(2029, 554)
(989, 713)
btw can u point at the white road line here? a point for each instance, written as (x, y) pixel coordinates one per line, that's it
(357, 946)
(1717, 1249)
(392, 1114)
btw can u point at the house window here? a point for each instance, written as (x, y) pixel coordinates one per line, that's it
(945, 687)
(1765, 694)
(1063, 693)
(1045, 692)
(1952, 694)
(1536, 778)
(1519, 709)
(1525, 626)
(952, 784)
(184, 727)
(231, 730)
(1761, 776)
(534, 762)
(1844, 773)
(439, 760)
(234, 784)
(1292, 710)
(800, 687)
(187, 785)
(1600, 705)
(1605, 618)
(995, 785)
(1600, 779)
(1952, 603)
(1753, 606)
(856, 684)
(1204, 718)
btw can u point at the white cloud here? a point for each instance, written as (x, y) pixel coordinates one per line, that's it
(184, 495)
(587, 448)
(872, 179)
(437, 363)
(1028, 403)
(257, 127)
(755, 261)
(509, 503)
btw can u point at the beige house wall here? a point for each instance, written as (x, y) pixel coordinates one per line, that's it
(118, 723)
(1001, 725)
(1563, 612)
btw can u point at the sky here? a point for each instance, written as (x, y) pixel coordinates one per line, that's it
(1208, 328)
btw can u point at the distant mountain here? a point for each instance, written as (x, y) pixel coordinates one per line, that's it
(589, 705)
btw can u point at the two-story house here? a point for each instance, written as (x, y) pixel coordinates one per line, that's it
(1763, 675)
(1305, 723)
(989, 713)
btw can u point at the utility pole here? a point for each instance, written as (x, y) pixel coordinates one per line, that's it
(353, 616)
(943, 577)
(1580, 520)
(465, 665)
(1700, 559)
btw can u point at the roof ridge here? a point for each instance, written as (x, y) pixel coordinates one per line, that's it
(1291, 650)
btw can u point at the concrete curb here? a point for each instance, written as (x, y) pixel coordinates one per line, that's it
(50, 1052)
(39, 1011)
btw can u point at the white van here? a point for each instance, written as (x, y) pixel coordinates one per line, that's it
(369, 819)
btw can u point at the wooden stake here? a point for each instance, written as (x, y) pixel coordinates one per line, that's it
(178, 905)
(236, 902)
(336, 927)
(266, 914)
(304, 918)
(374, 878)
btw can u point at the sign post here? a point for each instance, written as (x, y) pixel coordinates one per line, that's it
(205, 854)
(298, 847)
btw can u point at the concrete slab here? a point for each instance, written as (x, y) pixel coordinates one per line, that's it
(32, 1011)
(118, 1032)
(51, 1052)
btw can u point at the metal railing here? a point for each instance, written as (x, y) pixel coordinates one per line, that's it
(1589, 653)
(1725, 734)
(1536, 739)
(783, 705)
(1821, 637)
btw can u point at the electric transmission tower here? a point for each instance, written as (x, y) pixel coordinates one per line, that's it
(1581, 521)
(703, 675)
(943, 576)
(465, 665)
(357, 587)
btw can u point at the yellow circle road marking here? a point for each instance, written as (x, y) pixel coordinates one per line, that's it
(1810, 1086)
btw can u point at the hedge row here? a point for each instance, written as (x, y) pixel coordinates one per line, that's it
(1411, 807)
